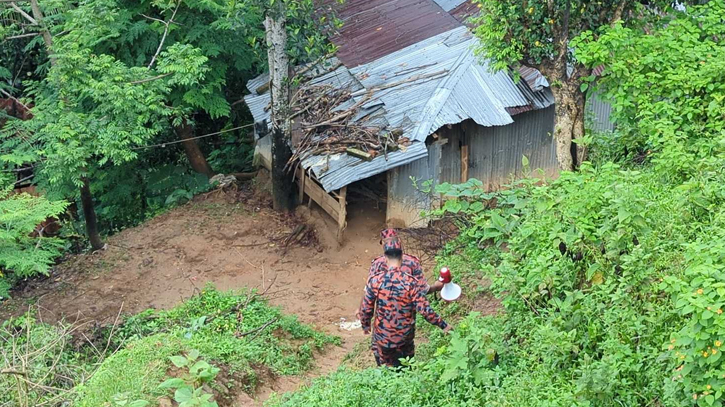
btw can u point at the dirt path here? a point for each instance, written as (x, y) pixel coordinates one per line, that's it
(166, 260)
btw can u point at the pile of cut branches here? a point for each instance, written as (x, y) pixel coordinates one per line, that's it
(326, 129)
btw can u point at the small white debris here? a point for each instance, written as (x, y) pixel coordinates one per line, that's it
(222, 180)
(349, 326)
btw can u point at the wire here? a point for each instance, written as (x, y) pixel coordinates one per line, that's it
(193, 138)
(16, 170)
(153, 145)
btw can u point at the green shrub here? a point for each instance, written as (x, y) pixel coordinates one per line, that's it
(20, 253)
(226, 327)
(129, 194)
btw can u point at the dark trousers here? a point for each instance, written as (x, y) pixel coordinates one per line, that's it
(391, 356)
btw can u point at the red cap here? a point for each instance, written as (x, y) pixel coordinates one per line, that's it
(387, 234)
(445, 276)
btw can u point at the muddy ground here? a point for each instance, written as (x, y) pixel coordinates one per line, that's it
(232, 240)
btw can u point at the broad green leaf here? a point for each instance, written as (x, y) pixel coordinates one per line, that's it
(179, 361)
(184, 395)
(173, 383)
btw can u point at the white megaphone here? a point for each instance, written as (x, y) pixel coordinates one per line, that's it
(451, 291)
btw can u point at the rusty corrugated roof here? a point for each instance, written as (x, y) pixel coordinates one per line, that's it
(464, 12)
(375, 28)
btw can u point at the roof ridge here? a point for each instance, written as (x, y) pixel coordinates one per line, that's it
(441, 95)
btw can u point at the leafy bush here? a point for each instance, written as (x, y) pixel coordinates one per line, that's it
(667, 89)
(20, 253)
(233, 155)
(127, 195)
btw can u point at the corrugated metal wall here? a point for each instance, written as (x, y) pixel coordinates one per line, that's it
(496, 153)
(598, 114)
(405, 201)
(495, 158)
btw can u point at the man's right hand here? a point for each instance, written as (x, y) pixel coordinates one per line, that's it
(437, 286)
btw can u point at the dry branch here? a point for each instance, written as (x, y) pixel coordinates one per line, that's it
(163, 37)
(258, 331)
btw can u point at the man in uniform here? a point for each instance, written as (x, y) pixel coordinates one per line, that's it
(393, 295)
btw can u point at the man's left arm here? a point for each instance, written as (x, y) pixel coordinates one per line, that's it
(422, 305)
(367, 308)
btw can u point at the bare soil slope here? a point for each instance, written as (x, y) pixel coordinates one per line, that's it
(233, 241)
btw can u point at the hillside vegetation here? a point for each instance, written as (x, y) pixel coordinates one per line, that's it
(206, 351)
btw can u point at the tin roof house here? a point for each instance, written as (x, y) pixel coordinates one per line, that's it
(405, 98)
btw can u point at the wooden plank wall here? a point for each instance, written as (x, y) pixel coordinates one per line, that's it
(334, 204)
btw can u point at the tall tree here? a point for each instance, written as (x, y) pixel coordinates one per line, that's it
(282, 188)
(538, 33)
(147, 27)
(296, 32)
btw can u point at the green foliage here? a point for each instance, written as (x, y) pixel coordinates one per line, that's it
(123, 74)
(309, 26)
(666, 100)
(234, 154)
(189, 390)
(129, 194)
(699, 297)
(20, 253)
(537, 33)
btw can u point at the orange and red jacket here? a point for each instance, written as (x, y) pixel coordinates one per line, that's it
(393, 297)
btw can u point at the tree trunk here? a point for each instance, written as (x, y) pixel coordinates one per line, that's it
(569, 124)
(282, 184)
(579, 130)
(47, 37)
(38, 15)
(89, 213)
(193, 152)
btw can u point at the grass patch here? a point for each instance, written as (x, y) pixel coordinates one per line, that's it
(238, 332)
(133, 373)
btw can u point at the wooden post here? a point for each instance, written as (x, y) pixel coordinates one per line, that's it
(342, 217)
(464, 163)
(302, 176)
